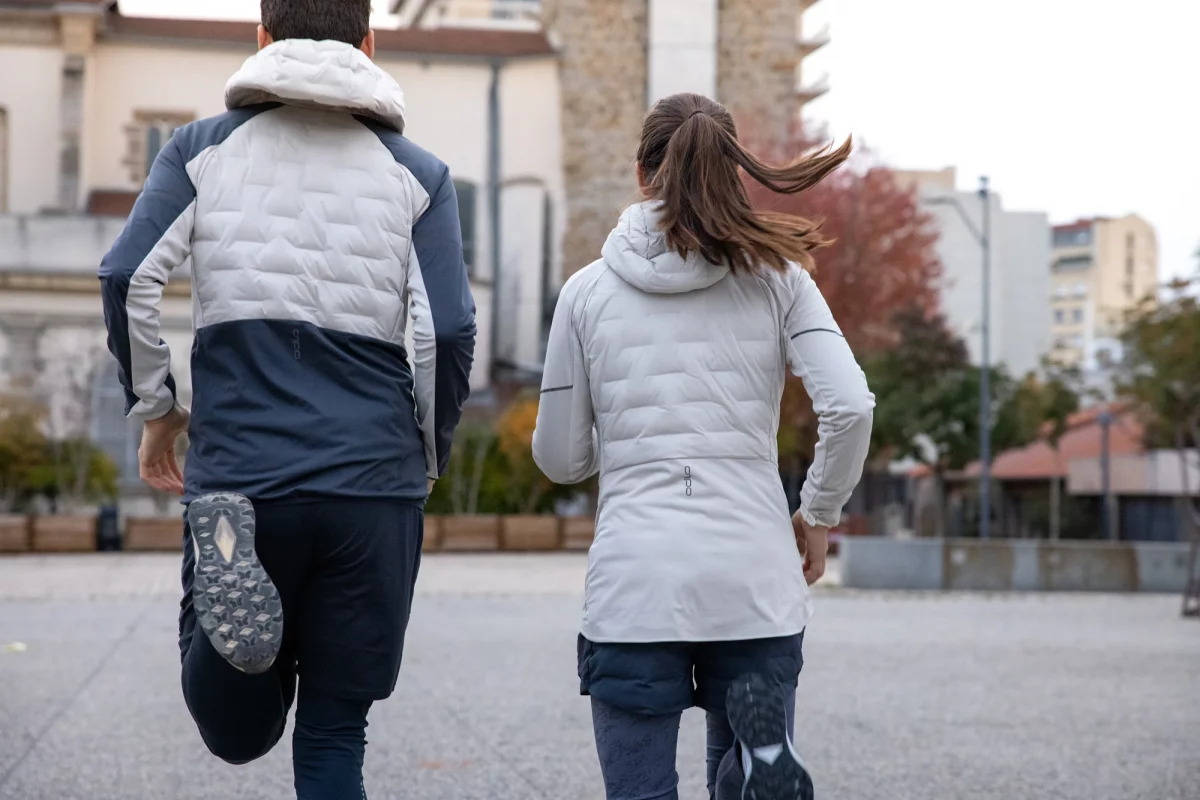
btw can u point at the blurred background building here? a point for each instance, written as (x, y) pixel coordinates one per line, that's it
(1103, 268)
(88, 96)
(1020, 270)
(536, 106)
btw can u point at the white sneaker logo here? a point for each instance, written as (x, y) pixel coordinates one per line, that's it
(225, 539)
(768, 755)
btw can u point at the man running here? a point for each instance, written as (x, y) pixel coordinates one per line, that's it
(316, 232)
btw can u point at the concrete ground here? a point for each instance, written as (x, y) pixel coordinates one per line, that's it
(921, 696)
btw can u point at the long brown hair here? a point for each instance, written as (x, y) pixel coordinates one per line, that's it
(690, 156)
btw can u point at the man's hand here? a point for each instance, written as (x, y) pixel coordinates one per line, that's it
(156, 455)
(814, 544)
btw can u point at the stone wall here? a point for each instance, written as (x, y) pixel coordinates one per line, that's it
(1021, 565)
(603, 83)
(757, 62)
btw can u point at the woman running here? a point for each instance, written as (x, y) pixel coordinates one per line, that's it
(664, 373)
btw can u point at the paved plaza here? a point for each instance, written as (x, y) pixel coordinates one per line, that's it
(904, 696)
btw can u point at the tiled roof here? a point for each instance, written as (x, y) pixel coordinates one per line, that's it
(466, 42)
(1039, 461)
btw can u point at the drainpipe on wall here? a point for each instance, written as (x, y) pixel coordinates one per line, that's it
(494, 173)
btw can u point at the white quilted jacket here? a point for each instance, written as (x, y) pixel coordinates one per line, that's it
(665, 374)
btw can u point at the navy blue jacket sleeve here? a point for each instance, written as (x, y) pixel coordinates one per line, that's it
(156, 240)
(437, 243)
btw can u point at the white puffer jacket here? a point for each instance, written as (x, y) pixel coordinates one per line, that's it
(665, 374)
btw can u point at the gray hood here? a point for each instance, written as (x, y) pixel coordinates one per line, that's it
(325, 74)
(637, 251)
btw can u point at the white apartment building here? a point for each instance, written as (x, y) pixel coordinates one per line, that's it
(1020, 270)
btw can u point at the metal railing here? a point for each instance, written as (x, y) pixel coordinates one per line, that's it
(811, 42)
(810, 90)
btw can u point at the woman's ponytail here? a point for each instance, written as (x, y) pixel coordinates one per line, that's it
(689, 158)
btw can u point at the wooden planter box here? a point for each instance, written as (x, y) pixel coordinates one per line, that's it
(470, 533)
(578, 533)
(155, 534)
(55, 534)
(528, 532)
(432, 542)
(14, 533)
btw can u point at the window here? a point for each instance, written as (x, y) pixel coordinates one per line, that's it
(467, 206)
(147, 135)
(117, 435)
(1072, 263)
(3, 159)
(1061, 291)
(1128, 288)
(1058, 316)
(1077, 315)
(1073, 236)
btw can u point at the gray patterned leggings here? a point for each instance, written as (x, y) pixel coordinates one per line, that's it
(637, 753)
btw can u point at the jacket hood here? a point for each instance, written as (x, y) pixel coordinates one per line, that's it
(637, 251)
(326, 74)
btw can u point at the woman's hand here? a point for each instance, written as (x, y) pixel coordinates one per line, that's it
(814, 545)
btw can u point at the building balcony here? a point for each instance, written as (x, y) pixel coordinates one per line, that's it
(812, 42)
(44, 248)
(807, 91)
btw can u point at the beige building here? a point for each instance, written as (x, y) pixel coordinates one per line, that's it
(88, 97)
(1102, 268)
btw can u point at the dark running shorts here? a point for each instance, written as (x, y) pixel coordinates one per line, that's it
(345, 570)
(668, 677)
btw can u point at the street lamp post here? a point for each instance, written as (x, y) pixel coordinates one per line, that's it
(985, 378)
(983, 236)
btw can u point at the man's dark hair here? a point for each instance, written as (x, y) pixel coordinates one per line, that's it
(346, 21)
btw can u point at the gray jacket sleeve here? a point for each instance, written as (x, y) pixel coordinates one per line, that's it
(818, 354)
(157, 238)
(564, 441)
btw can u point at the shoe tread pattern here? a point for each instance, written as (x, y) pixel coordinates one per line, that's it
(237, 605)
(758, 717)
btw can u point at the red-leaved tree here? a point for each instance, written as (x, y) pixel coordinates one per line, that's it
(882, 259)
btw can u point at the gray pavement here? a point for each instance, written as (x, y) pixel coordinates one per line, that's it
(921, 696)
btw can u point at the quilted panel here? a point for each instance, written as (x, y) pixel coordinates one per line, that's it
(303, 215)
(667, 385)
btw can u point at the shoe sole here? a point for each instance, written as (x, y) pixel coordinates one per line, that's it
(237, 604)
(758, 717)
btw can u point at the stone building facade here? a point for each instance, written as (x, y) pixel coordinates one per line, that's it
(603, 83)
(604, 56)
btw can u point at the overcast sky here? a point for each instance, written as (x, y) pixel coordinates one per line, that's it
(1075, 107)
